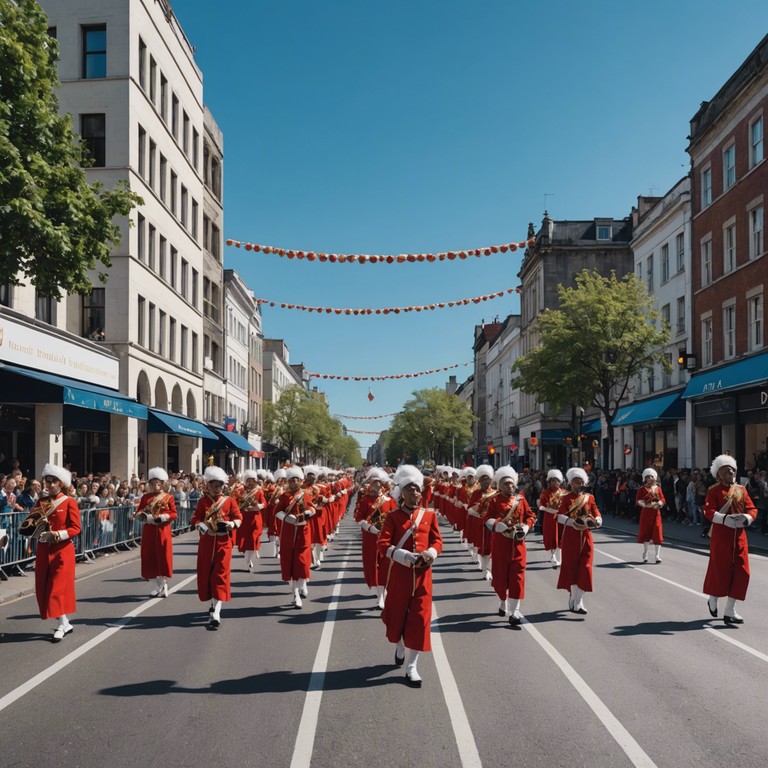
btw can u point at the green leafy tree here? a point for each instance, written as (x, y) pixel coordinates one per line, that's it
(604, 335)
(54, 227)
(282, 423)
(431, 426)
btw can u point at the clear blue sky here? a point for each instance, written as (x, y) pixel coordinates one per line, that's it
(362, 126)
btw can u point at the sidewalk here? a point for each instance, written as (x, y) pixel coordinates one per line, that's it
(685, 534)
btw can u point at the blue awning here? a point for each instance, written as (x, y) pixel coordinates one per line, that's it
(555, 434)
(236, 440)
(161, 421)
(753, 371)
(591, 427)
(25, 385)
(663, 408)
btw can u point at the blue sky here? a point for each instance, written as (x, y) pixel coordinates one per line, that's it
(393, 126)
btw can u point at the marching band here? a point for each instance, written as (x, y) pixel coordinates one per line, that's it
(300, 510)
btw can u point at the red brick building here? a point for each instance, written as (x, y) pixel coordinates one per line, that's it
(729, 267)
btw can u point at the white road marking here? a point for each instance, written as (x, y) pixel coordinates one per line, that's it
(716, 632)
(121, 623)
(305, 737)
(617, 731)
(465, 740)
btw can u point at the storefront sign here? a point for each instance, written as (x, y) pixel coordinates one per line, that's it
(754, 401)
(34, 348)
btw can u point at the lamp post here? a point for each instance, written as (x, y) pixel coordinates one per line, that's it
(581, 427)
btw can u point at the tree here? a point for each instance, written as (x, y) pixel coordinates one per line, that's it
(430, 426)
(54, 226)
(605, 334)
(282, 423)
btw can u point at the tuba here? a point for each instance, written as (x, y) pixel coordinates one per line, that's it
(36, 522)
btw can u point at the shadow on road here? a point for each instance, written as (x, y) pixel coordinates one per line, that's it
(660, 627)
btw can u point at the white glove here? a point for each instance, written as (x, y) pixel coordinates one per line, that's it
(599, 521)
(149, 519)
(719, 518)
(569, 522)
(373, 529)
(404, 557)
(164, 518)
(500, 527)
(473, 511)
(290, 519)
(365, 526)
(202, 527)
(525, 528)
(731, 521)
(563, 519)
(48, 537)
(229, 524)
(747, 519)
(489, 523)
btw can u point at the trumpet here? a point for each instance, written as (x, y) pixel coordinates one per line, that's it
(214, 517)
(36, 522)
(158, 506)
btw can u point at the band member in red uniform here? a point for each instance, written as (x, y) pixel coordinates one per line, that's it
(251, 502)
(579, 514)
(271, 523)
(317, 528)
(294, 509)
(463, 492)
(410, 538)
(730, 510)
(510, 518)
(549, 504)
(476, 532)
(215, 517)
(54, 521)
(156, 510)
(650, 499)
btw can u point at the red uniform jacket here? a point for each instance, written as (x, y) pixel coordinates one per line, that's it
(157, 538)
(509, 555)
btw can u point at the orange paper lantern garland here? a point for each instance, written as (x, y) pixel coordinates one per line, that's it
(338, 377)
(366, 258)
(383, 416)
(389, 310)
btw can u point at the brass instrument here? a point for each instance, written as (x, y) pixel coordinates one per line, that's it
(514, 522)
(36, 522)
(214, 517)
(248, 501)
(158, 506)
(378, 515)
(579, 514)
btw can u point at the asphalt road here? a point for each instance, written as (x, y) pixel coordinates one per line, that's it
(647, 678)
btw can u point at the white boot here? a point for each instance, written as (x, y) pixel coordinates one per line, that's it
(473, 552)
(380, 594)
(248, 554)
(63, 627)
(645, 552)
(658, 552)
(515, 617)
(303, 590)
(729, 613)
(559, 556)
(295, 593)
(578, 600)
(412, 676)
(552, 558)
(276, 545)
(159, 580)
(215, 615)
(316, 555)
(485, 565)
(503, 608)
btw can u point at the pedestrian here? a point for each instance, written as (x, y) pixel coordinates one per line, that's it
(510, 519)
(216, 516)
(650, 500)
(251, 501)
(580, 515)
(549, 504)
(157, 511)
(730, 510)
(55, 556)
(410, 538)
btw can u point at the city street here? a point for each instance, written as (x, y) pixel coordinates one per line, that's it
(646, 678)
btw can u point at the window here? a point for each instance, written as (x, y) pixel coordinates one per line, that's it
(93, 129)
(665, 316)
(174, 178)
(161, 330)
(152, 164)
(729, 248)
(185, 133)
(183, 212)
(195, 282)
(43, 308)
(649, 276)
(152, 80)
(706, 187)
(163, 177)
(195, 353)
(194, 216)
(681, 315)
(756, 141)
(184, 278)
(729, 331)
(162, 253)
(172, 339)
(164, 98)
(706, 262)
(183, 356)
(142, 64)
(216, 178)
(603, 232)
(756, 241)
(152, 340)
(174, 259)
(141, 329)
(638, 271)
(175, 116)
(95, 51)
(755, 322)
(141, 227)
(195, 148)
(6, 295)
(142, 153)
(664, 263)
(206, 232)
(151, 238)
(706, 341)
(729, 167)
(216, 242)
(680, 248)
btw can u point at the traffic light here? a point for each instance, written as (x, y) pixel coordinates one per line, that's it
(534, 439)
(491, 450)
(682, 358)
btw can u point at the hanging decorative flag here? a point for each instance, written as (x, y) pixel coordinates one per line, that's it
(339, 377)
(383, 416)
(370, 395)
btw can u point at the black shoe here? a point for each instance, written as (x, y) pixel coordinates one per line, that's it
(732, 620)
(411, 683)
(214, 624)
(515, 621)
(582, 611)
(502, 612)
(399, 660)
(711, 612)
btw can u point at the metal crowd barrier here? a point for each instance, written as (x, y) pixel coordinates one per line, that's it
(103, 529)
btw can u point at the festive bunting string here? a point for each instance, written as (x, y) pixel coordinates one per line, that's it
(363, 432)
(312, 374)
(390, 310)
(383, 416)
(366, 258)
